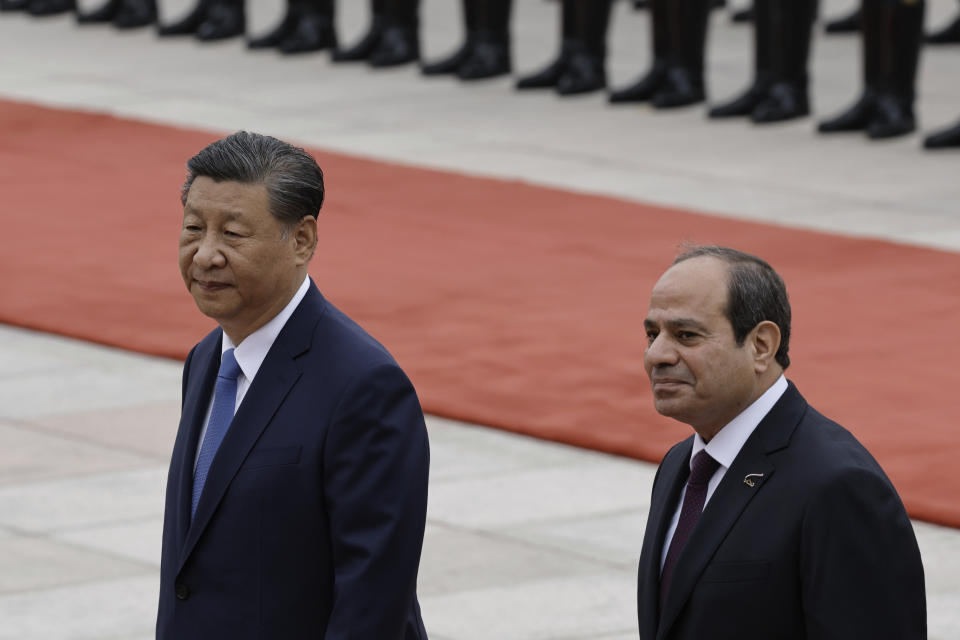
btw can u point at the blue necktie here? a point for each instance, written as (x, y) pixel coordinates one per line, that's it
(224, 403)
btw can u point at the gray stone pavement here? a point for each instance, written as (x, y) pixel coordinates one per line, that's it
(526, 540)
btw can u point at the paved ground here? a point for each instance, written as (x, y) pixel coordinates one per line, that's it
(525, 539)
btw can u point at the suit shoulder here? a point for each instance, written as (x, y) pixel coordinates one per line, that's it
(832, 453)
(347, 345)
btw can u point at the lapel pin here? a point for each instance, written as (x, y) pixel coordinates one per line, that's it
(751, 479)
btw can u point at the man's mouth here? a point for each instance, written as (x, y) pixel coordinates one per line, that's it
(668, 382)
(211, 285)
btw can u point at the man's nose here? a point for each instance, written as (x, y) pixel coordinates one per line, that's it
(209, 254)
(660, 352)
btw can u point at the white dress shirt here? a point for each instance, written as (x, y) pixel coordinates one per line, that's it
(251, 352)
(724, 448)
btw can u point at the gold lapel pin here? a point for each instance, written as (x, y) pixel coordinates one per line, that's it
(751, 479)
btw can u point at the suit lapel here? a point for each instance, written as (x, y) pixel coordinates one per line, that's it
(673, 474)
(730, 499)
(277, 375)
(204, 364)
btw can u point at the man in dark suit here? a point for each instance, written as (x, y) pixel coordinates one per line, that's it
(771, 521)
(296, 498)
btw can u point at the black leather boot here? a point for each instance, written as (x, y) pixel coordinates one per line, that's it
(369, 42)
(643, 89)
(491, 55)
(224, 19)
(895, 115)
(943, 139)
(135, 13)
(849, 23)
(793, 28)
(583, 73)
(644, 4)
(188, 24)
(50, 7)
(748, 14)
(684, 82)
(313, 29)
(744, 104)
(586, 69)
(489, 58)
(14, 5)
(451, 64)
(950, 34)
(281, 32)
(859, 116)
(103, 13)
(400, 41)
(548, 76)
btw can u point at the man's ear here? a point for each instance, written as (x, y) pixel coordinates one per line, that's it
(765, 341)
(305, 237)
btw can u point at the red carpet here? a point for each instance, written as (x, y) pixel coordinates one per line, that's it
(509, 305)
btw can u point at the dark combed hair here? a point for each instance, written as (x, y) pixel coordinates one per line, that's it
(755, 293)
(292, 177)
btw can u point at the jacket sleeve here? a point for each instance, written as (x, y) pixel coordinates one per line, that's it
(376, 467)
(861, 567)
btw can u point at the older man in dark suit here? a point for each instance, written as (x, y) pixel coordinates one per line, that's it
(771, 521)
(296, 499)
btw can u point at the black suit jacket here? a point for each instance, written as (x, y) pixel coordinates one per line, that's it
(819, 547)
(311, 520)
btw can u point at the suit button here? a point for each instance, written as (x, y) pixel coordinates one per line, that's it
(182, 590)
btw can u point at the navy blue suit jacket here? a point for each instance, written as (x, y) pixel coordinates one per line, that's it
(818, 547)
(311, 520)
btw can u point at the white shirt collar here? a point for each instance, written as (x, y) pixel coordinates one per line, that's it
(725, 446)
(252, 351)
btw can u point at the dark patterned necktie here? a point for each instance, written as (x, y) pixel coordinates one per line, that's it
(693, 500)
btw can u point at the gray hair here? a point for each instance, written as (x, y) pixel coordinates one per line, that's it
(292, 177)
(755, 293)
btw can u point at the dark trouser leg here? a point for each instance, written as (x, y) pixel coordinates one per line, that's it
(858, 116)
(585, 70)
(903, 25)
(787, 97)
(548, 76)
(763, 32)
(403, 13)
(400, 41)
(684, 82)
(367, 44)
(647, 85)
(451, 64)
(490, 57)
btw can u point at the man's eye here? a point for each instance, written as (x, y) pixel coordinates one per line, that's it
(192, 228)
(686, 335)
(231, 234)
(651, 336)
